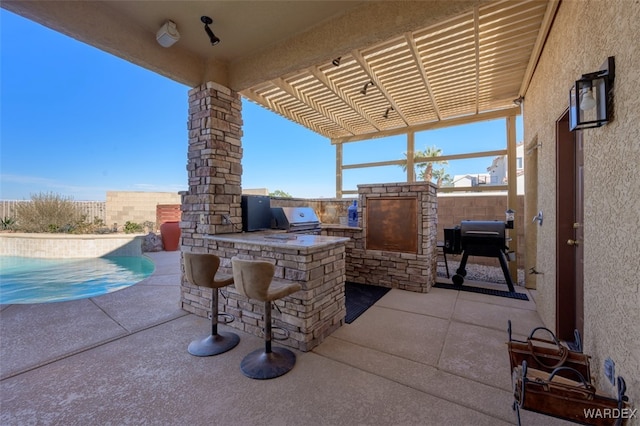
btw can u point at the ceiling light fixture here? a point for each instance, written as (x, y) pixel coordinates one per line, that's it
(336, 61)
(386, 113)
(364, 88)
(212, 37)
(168, 34)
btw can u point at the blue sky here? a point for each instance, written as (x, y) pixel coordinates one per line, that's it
(78, 122)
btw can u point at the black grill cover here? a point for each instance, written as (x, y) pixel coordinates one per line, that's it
(485, 233)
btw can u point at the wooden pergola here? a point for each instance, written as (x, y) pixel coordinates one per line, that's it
(470, 68)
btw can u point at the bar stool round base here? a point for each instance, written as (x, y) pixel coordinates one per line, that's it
(262, 365)
(214, 344)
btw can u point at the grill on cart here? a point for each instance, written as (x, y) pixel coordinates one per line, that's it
(478, 238)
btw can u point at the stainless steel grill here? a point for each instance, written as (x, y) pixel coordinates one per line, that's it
(478, 238)
(302, 220)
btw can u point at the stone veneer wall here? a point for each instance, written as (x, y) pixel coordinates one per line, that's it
(213, 165)
(309, 315)
(214, 173)
(406, 271)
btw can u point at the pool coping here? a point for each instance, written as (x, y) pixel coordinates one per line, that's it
(70, 245)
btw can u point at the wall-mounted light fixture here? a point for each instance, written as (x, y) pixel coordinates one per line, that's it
(590, 99)
(168, 34)
(386, 113)
(336, 61)
(212, 37)
(364, 88)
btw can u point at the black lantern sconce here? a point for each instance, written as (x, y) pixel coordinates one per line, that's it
(510, 218)
(590, 98)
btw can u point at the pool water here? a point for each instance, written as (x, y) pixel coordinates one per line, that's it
(34, 280)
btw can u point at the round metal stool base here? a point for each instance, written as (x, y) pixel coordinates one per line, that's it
(262, 365)
(214, 344)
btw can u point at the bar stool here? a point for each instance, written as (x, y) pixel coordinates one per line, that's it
(254, 279)
(200, 269)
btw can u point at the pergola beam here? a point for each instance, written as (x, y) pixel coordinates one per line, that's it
(456, 121)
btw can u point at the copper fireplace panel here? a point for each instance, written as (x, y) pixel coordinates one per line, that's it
(392, 224)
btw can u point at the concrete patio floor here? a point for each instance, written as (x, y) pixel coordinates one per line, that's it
(412, 359)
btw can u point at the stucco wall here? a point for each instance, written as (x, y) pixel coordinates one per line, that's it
(584, 34)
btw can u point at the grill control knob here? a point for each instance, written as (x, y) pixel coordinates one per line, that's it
(573, 242)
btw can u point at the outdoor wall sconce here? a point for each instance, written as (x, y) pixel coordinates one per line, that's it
(212, 37)
(168, 34)
(386, 113)
(591, 97)
(336, 61)
(364, 88)
(510, 216)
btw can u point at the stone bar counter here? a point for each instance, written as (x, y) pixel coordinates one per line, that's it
(316, 262)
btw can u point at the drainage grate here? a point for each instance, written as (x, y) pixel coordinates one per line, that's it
(489, 291)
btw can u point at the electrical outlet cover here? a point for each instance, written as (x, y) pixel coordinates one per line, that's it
(610, 370)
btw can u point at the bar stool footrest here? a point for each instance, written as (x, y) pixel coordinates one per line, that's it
(226, 318)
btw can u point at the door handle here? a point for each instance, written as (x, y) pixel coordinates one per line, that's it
(573, 242)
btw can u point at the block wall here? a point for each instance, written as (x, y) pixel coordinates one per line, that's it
(136, 206)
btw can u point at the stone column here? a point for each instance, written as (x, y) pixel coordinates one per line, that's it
(214, 165)
(214, 172)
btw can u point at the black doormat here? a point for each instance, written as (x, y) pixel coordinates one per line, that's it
(360, 297)
(489, 291)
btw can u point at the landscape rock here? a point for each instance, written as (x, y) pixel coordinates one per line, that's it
(151, 243)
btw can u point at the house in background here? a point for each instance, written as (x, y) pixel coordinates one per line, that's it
(498, 170)
(497, 173)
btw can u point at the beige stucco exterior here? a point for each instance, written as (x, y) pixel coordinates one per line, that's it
(583, 35)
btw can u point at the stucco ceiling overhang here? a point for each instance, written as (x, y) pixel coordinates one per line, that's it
(431, 62)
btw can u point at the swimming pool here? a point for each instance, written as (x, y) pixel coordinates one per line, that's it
(34, 280)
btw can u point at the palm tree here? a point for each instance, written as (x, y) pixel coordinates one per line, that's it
(441, 176)
(425, 170)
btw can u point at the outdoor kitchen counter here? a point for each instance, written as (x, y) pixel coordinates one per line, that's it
(280, 240)
(316, 262)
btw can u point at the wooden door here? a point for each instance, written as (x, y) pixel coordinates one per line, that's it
(569, 231)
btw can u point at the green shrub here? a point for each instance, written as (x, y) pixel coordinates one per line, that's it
(48, 212)
(132, 227)
(83, 226)
(8, 223)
